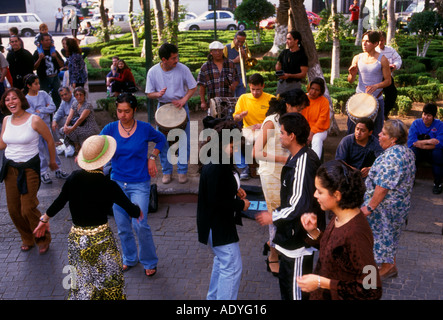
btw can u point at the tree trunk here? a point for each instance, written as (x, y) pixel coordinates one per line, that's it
(159, 22)
(391, 22)
(281, 28)
(335, 66)
(104, 21)
(300, 23)
(174, 14)
(361, 22)
(135, 42)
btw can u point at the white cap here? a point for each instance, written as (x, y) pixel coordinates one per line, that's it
(216, 45)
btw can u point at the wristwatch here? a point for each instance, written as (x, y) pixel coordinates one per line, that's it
(152, 157)
(370, 209)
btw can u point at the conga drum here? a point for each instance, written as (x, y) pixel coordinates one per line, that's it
(220, 107)
(169, 117)
(362, 105)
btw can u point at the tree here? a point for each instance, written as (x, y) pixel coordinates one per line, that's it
(253, 11)
(104, 19)
(335, 70)
(281, 28)
(391, 22)
(361, 23)
(135, 42)
(301, 23)
(159, 22)
(423, 24)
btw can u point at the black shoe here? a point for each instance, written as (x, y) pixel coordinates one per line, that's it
(437, 189)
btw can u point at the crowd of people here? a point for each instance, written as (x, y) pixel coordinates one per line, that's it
(350, 210)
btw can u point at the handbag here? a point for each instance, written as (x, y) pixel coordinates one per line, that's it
(153, 199)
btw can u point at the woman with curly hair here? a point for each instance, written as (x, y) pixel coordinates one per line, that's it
(346, 267)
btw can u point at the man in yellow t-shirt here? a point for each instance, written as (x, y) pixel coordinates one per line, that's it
(251, 108)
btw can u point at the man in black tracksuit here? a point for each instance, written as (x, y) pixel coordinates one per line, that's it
(297, 197)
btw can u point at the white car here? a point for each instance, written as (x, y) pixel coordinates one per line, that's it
(121, 19)
(26, 23)
(205, 21)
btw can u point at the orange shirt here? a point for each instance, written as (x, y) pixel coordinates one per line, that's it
(317, 114)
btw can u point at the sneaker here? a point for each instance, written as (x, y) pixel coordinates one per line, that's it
(45, 178)
(69, 151)
(244, 175)
(60, 149)
(60, 174)
(182, 178)
(437, 189)
(166, 178)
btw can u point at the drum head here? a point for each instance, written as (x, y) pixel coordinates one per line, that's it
(169, 116)
(361, 105)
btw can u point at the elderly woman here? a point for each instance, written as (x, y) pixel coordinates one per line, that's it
(387, 198)
(80, 123)
(317, 115)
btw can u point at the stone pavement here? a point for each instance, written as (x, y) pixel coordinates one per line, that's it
(185, 265)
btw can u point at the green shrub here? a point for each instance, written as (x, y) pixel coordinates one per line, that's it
(404, 105)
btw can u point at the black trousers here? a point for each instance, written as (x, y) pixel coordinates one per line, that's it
(289, 267)
(390, 96)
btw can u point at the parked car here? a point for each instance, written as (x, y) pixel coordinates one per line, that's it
(314, 20)
(268, 23)
(205, 21)
(121, 19)
(26, 23)
(403, 18)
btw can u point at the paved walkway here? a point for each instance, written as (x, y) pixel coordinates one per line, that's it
(185, 264)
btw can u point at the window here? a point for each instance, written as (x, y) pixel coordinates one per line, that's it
(210, 16)
(29, 18)
(14, 19)
(224, 15)
(2, 19)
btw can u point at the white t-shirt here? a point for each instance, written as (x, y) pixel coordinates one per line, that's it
(177, 81)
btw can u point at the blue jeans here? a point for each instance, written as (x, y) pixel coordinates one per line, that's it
(184, 150)
(138, 193)
(226, 271)
(44, 156)
(435, 157)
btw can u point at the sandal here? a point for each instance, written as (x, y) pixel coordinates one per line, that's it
(150, 272)
(25, 248)
(43, 249)
(126, 268)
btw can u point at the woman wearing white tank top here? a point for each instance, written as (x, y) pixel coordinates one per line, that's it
(21, 166)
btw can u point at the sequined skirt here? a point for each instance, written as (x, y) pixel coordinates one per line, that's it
(96, 263)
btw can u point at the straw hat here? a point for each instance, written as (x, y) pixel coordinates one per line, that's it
(96, 151)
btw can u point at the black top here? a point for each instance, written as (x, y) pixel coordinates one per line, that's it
(296, 198)
(91, 196)
(219, 208)
(292, 61)
(49, 66)
(21, 63)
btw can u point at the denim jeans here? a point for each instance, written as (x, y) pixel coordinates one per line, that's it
(138, 193)
(184, 150)
(226, 271)
(44, 156)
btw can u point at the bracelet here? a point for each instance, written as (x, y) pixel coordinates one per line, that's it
(152, 157)
(42, 220)
(318, 286)
(319, 232)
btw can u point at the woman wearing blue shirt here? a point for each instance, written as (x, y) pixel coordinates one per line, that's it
(132, 169)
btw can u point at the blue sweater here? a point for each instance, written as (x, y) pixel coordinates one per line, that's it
(435, 130)
(130, 161)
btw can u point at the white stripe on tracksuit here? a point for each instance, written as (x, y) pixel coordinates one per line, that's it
(297, 189)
